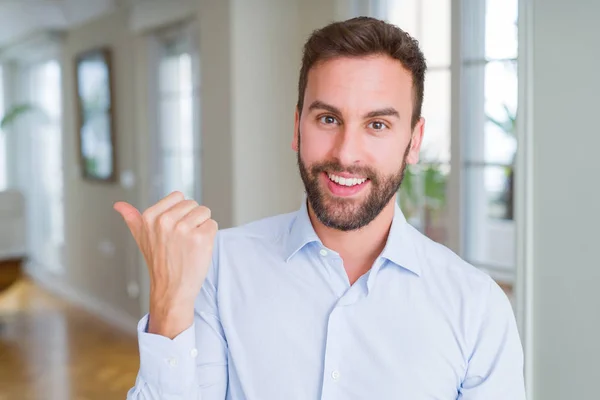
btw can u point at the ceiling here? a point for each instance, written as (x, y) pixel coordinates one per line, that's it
(22, 18)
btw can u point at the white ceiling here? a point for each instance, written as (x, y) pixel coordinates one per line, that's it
(21, 18)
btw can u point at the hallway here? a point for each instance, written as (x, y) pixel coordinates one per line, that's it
(50, 350)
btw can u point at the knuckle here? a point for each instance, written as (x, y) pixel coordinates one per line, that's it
(148, 216)
(208, 212)
(204, 212)
(211, 226)
(189, 202)
(165, 221)
(182, 227)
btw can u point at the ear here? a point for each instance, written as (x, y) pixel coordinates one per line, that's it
(415, 143)
(296, 131)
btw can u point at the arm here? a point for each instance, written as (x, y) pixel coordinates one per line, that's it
(495, 369)
(182, 346)
(192, 365)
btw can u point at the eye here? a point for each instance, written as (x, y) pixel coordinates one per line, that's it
(378, 125)
(328, 120)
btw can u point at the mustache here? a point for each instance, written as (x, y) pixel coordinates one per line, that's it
(335, 166)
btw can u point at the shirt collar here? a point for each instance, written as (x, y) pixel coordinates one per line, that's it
(399, 248)
(301, 232)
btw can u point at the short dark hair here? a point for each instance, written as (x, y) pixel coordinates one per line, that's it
(364, 36)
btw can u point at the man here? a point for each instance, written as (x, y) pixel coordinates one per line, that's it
(342, 299)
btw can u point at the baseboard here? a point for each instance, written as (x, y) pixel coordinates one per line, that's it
(110, 315)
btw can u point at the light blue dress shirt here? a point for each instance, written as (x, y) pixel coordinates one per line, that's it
(277, 319)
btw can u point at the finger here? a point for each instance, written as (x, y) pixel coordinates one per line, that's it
(196, 217)
(163, 205)
(168, 219)
(132, 218)
(209, 227)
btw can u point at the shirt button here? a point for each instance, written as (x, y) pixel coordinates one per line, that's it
(194, 353)
(323, 252)
(335, 375)
(172, 362)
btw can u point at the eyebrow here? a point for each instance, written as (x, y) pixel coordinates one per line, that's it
(384, 112)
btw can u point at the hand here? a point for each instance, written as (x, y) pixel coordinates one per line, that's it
(176, 237)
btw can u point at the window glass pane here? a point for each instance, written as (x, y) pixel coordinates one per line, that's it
(169, 74)
(170, 123)
(501, 41)
(501, 93)
(422, 198)
(489, 113)
(44, 177)
(93, 89)
(491, 187)
(429, 22)
(177, 99)
(185, 74)
(490, 235)
(435, 32)
(47, 82)
(404, 14)
(178, 173)
(96, 145)
(436, 111)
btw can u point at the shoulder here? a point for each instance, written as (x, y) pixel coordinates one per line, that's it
(456, 280)
(269, 229)
(466, 292)
(266, 234)
(437, 261)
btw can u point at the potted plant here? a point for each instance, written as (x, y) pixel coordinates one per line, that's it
(423, 197)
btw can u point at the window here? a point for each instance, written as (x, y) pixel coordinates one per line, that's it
(178, 101)
(485, 70)
(42, 181)
(489, 138)
(423, 193)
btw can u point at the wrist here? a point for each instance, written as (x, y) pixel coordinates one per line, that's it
(170, 320)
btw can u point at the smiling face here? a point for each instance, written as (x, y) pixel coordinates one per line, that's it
(354, 137)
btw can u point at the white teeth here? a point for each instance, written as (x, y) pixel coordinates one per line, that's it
(346, 181)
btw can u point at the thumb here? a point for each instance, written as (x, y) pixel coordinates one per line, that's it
(132, 218)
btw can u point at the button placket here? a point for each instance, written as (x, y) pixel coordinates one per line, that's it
(333, 354)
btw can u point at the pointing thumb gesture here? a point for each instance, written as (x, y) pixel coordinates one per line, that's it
(132, 218)
(176, 237)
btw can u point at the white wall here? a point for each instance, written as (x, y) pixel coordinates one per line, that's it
(267, 40)
(265, 63)
(566, 143)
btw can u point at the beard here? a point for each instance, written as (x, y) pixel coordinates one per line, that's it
(347, 214)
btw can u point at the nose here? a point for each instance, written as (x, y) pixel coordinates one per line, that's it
(348, 146)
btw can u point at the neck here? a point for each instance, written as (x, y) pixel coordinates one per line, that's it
(359, 248)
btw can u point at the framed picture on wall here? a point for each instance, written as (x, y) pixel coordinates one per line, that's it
(95, 105)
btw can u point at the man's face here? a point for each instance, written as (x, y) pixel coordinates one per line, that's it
(354, 138)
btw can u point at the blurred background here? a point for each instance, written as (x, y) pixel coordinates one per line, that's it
(107, 100)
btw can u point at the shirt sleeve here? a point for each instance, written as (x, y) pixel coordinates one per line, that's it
(495, 369)
(193, 365)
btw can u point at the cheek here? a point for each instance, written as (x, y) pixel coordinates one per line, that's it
(384, 155)
(314, 146)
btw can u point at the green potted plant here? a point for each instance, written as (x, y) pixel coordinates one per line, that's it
(424, 190)
(14, 113)
(509, 126)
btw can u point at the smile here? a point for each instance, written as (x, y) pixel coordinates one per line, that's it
(346, 181)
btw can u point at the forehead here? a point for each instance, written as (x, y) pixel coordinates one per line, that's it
(360, 83)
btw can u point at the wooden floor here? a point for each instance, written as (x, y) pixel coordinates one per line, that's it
(50, 350)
